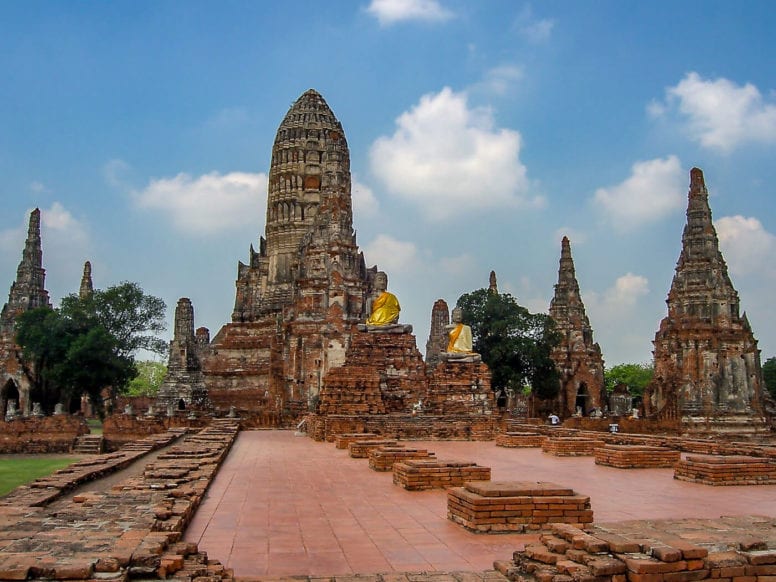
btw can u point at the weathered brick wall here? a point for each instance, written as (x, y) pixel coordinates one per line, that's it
(383, 458)
(405, 426)
(46, 434)
(520, 439)
(571, 447)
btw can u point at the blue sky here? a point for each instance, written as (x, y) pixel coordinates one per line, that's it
(480, 133)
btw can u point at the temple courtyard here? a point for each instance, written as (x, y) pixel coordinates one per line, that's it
(284, 505)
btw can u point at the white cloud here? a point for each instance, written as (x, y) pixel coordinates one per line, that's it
(532, 29)
(115, 173)
(746, 245)
(38, 187)
(365, 203)
(653, 190)
(207, 204)
(575, 236)
(719, 114)
(390, 12)
(449, 159)
(458, 266)
(390, 254)
(499, 80)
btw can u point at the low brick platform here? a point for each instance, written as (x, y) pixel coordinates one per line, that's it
(383, 458)
(636, 457)
(520, 439)
(360, 449)
(571, 446)
(419, 474)
(726, 470)
(516, 506)
(342, 441)
(134, 530)
(740, 549)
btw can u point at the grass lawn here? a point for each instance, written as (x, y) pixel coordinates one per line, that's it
(95, 425)
(15, 471)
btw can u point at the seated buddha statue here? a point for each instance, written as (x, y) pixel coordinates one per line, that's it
(460, 335)
(383, 306)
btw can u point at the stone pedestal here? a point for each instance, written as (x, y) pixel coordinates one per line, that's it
(726, 470)
(460, 385)
(520, 439)
(421, 474)
(383, 458)
(516, 506)
(571, 447)
(635, 457)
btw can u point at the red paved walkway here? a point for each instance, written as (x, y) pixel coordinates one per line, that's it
(286, 505)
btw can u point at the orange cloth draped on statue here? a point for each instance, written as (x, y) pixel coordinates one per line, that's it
(385, 310)
(460, 339)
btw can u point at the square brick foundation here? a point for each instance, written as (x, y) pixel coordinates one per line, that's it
(726, 470)
(516, 506)
(419, 474)
(636, 457)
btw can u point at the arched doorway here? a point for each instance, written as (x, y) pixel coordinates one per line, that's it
(580, 404)
(9, 393)
(181, 404)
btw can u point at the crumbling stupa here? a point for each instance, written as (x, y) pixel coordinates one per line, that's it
(27, 292)
(706, 357)
(301, 294)
(577, 357)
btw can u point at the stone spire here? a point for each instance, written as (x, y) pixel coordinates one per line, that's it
(28, 291)
(310, 162)
(87, 288)
(437, 337)
(706, 358)
(183, 385)
(577, 358)
(493, 286)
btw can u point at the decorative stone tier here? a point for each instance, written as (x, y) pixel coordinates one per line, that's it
(635, 457)
(383, 458)
(516, 506)
(360, 449)
(459, 387)
(405, 426)
(571, 446)
(520, 439)
(740, 549)
(46, 434)
(726, 470)
(131, 531)
(343, 440)
(418, 475)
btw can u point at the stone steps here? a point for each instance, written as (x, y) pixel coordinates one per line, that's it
(89, 444)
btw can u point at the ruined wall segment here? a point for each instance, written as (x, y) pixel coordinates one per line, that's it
(437, 337)
(706, 357)
(577, 357)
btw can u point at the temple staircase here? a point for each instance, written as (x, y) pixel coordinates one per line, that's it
(89, 444)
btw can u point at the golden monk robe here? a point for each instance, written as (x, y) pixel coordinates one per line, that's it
(385, 307)
(460, 335)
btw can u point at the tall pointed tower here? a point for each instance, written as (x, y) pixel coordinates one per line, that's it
(706, 358)
(577, 358)
(29, 289)
(27, 292)
(437, 337)
(301, 294)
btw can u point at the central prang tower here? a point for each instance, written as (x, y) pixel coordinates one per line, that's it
(301, 294)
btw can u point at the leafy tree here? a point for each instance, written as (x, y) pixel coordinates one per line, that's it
(514, 343)
(126, 312)
(635, 376)
(87, 345)
(149, 377)
(769, 375)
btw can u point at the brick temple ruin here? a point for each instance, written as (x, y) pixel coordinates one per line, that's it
(294, 347)
(707, 363)
(27, 292)
(577, 357)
